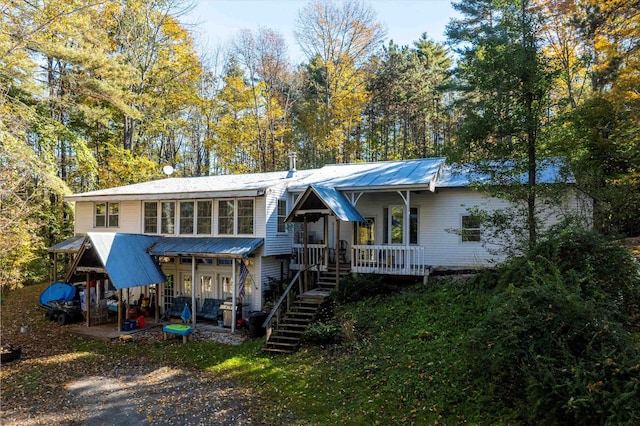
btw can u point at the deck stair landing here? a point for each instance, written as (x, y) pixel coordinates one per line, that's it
(287, 334)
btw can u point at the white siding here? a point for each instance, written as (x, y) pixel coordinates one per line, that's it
(276, 243)
(271, 268)
(129, 219)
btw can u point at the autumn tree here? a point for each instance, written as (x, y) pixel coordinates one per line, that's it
(338, 39)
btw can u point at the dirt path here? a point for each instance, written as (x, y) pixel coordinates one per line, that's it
(51, 384)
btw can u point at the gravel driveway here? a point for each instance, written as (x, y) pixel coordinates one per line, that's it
(51, 385)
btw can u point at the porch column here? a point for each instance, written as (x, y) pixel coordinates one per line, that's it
(87, 298)
(407, 229)
(305, 255)
(193, 292)
(156, 310)
(325, 223)
(119, 325)
(55, 267)
(233, 295)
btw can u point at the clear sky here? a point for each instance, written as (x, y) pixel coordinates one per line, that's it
(405, 20)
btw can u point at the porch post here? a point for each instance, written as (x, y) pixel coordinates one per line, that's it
(337, 252)
(305, 255)
(55, 267)
(193, 292)
(233, 296)
(407, 229)
(325, 223)
(87, 298)
(119, 326)
(156, 310)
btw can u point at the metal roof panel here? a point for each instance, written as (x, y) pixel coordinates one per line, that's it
(126, 260)
(220, 246)
(70, 245)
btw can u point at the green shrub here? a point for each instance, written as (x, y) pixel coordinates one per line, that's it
(556, 344)
(323, 333)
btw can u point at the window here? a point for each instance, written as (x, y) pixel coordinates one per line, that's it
(204, 217)
(470, 228)
(394, 225)
(282, 215)
(151, 218)
(107, 215)
(186, 217)
(245, 216)
(114, 213)
(225, 217)
(366, 232)
(168, 217)
(101, 215)
(226, 287)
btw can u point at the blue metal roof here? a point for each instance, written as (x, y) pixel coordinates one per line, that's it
(125, 258)
(549, 171)
(205, 247)
(379, 175)
(329, 198)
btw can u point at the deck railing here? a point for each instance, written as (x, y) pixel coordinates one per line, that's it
(385, 259)
(315, 253)
(282, 305)
(374, 259)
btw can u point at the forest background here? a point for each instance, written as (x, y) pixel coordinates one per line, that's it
(96, 94)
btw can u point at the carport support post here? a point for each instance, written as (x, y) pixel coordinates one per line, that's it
(119, 310)
(233, 297)
(305, 255)
(193, 292)
(87, 298)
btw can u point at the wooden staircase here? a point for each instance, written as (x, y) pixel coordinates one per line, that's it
(285, 337)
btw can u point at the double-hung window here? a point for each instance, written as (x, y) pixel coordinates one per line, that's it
(245, 216)
(226, 216)
(205, 214)
(282, 215)
(470, 228)
(106, 215)
(151, 218)
(235, 217)
(186, 217)
(168, 217)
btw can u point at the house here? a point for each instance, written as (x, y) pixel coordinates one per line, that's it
(196, 237)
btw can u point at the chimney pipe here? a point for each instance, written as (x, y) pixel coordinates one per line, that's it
(292, 161)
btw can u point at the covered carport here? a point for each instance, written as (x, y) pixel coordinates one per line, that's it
(121, 257)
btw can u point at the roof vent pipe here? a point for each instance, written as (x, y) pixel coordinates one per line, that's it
(292, 164)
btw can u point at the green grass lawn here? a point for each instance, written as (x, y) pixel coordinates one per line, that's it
(397, 365)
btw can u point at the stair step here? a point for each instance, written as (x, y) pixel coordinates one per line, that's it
(280, 338)
(274, 350)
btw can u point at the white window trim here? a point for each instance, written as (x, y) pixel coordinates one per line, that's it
(462, 229)
(106, 214)
(286, 212)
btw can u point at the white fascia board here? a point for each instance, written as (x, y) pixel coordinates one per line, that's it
(168, 196)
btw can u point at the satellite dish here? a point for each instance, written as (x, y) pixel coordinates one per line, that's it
(167, 170)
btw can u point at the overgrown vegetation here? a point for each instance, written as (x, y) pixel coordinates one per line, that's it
(544, 339)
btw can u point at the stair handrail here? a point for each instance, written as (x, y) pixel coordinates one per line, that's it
(267, 323)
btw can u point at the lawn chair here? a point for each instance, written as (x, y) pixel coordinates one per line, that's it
(184, 329)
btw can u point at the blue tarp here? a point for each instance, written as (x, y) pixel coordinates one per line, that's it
(57, 291)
